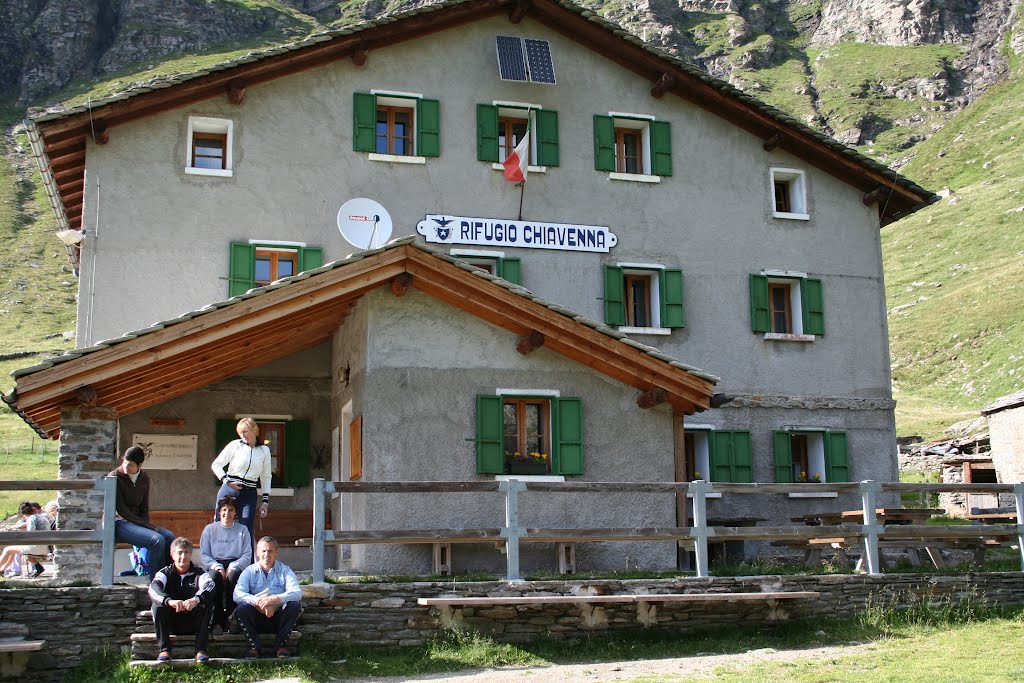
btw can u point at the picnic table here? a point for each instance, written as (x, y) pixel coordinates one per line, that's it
(855, 518)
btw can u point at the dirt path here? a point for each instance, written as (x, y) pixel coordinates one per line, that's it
(677, 668)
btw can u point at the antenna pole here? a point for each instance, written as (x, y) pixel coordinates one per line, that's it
(373, 233)
(522, 189)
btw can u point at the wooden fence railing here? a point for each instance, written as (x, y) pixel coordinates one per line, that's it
(698, 534)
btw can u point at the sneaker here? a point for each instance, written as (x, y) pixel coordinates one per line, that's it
(37, 570)
(164, 656)
(252, 653)
(282, 653)
(202, 657)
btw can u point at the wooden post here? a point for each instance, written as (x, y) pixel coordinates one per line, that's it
(699, 490)
(1018, 496)
(319, 515)
(109, 487)
(512, 531)
(868, 490)
(679, 458)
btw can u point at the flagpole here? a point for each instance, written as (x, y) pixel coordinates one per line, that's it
(522, 189)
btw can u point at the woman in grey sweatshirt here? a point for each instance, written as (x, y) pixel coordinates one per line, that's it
(226, 549)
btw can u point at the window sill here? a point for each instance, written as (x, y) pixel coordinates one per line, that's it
(529, 477)
(663, 331)
(635, 177)
(819, 494)
(281, 492)
(778, 336)
(396, 158)
(529, 169)
(791, 216)
(219, 172)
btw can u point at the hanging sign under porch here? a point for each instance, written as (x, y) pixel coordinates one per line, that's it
(497, 232)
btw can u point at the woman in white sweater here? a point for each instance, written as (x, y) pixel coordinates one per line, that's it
(226, 549)
(243, 467)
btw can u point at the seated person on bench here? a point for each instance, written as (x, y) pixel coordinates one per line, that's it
(182, 595)
(226, 549)
(268, 597)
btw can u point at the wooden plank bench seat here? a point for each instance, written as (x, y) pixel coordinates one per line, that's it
(287, 526)
(15, 654)
(18, 645)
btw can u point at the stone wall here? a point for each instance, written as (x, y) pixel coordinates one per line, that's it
(77, 622)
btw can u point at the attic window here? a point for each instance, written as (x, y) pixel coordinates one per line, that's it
(525, 59)
(789, 194)
(210, 146)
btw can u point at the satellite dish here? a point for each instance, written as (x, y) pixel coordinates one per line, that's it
(364, 223)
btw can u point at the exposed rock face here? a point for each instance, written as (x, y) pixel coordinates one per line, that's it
(897, 22)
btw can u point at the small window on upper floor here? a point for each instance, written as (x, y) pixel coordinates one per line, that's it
(789, 194)
(500, 126)
(632, 147)
(788, 306)
(209, 146)
(274, 263)
(643, 298)
(396, 127)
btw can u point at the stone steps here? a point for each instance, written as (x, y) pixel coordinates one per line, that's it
(144, 646)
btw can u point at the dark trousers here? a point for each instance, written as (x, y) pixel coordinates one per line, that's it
(253, 622)
(223, 593)
(168, 623)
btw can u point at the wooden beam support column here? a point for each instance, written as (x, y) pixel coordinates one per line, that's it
(654, 397)
(661, 86)
(772, 142)
(236, 90)
(530, 343)
(401, 283)
(519, 11)
(875, 196)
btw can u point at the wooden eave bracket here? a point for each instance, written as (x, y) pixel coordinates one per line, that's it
(773, 142)
(359, 55)
(530, 343)
(519, 11)
(875, 196)
(662, 85)
(401, 283)
(236, 90)
(651, 398)
(100, 132)
(86, 396)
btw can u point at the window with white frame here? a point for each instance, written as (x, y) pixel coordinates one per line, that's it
(210, 146)
(643, 298)
(789, 193)
(810, 455)
(501, 126)
(396, 126)
(632, 147)
(786, 305)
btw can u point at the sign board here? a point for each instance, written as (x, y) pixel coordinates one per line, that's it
(497, 232)
(168, 451)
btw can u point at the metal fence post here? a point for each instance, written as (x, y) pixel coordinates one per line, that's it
(512, 531)
(319, 519)
(1018, 496)
(108, 485)
(700, 531)
(868, 490)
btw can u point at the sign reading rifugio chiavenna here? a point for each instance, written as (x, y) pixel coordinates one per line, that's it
(496, 232)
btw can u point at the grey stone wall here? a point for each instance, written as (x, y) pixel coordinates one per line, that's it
(87, 450)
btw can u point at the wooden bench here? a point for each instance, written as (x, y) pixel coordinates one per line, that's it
(14, 655)
(645, 603)
(287, 526)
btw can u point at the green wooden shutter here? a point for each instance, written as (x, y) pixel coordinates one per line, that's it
(813, 304)
(783, 449)
(673, 314)
(296, 453)
(569, 435)
(241, 265)
(511, 270)
(760, 320)
(546, 122)
(720, 455)
(486, 132)
(224, 433)
(428, 128)
(310, 258)
(614, 296)
(490, 454)
(661, 148)
(604, 143)
(364, 122)
(837, 459)
(742, 458)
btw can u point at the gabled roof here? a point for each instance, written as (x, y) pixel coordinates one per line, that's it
(171, 358)
(58, 138)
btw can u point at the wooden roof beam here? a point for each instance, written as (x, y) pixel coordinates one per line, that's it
(772, 142)
(236, 91)
(529, 343)
(518, 11)
(662, 85)
(651, 398)
(875, 196)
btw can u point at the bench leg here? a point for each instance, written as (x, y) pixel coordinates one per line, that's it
(443, 559)
(935, 555)
(566, 558)
(647, 613)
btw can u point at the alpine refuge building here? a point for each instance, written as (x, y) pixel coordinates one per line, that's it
(462, 325)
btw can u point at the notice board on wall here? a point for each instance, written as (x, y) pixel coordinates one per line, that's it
(168, 451)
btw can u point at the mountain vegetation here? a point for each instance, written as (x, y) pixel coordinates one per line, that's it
(933, 89)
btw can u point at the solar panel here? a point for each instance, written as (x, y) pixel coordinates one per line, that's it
(538, 53)
(511, 61)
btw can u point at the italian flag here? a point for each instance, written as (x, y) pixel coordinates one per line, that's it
(517, 162)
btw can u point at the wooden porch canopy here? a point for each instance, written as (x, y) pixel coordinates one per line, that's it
(59, 138)
(170, 359)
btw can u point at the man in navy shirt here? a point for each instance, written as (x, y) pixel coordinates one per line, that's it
(182, 596)
(268, 597)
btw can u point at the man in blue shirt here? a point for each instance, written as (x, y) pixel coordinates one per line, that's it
(268, 597)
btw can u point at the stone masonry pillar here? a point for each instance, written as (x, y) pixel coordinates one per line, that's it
(87, 450)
